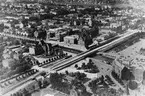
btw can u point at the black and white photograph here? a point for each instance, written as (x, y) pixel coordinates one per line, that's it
(72, 47)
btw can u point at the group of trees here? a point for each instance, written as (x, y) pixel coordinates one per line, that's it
(1, 26)
(108, 92)
(89, 67)
(78, 76)
(3, 71)
(127, 74)
(80, 88)
(95, 84)
(15, 66)
(57, 83)
(23, 92)
(21, 65)
(143, 82)
(116, 76)
(60, 82)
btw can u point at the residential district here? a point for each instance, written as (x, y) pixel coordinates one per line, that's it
(72, 48)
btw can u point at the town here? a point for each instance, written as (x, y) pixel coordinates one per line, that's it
(72, 48)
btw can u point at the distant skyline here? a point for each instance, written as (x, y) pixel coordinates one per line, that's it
(105, 1)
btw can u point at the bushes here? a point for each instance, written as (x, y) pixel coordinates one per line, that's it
(78, 76)
(89, 67)
(133, 85)
(56, 80)
(126, 74)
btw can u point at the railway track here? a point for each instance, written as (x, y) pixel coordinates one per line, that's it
(8, 83)
(13, 77)
(82, 55)
(70, 61)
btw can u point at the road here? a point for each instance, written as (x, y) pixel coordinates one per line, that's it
(115, 81)
(105, 69)
(70, 61)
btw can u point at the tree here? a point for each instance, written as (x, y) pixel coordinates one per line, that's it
(132, 85)
(144, 75)
(39, 49)
(2, 26)
(76, 66)
(16, 42)
(93, 85)
(126, 74)
(42, 34)
(80, 76)
(66, 72)
(83, 66)
(90, 64)
(74, 82)
(56, 79)
(90, 61)
(94, 31)
(86, 37)
(57, 82)
(25, 92)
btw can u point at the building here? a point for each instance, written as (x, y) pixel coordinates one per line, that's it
(32, 50)
(69, 39)
(117, 67)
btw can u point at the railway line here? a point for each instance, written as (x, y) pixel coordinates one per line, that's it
(8, 80)
(70, 61)
(7, 84)
(82, 55)
(29, 72)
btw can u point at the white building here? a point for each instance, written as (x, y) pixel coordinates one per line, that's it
(69, 39)
(32, 50)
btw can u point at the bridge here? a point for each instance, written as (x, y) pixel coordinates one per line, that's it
(70, 61)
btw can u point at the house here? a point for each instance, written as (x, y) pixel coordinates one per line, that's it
(32, 50)
(69, 39)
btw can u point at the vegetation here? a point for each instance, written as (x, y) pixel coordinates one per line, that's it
(133, 85)
(108, 92)
(78, 76)
(65, 82)
(115, 75)
(15, 66)
(57, 83)
(89, 67)
(98, 83)
(126, 74)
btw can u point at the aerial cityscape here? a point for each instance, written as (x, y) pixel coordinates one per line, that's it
(72, 48)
